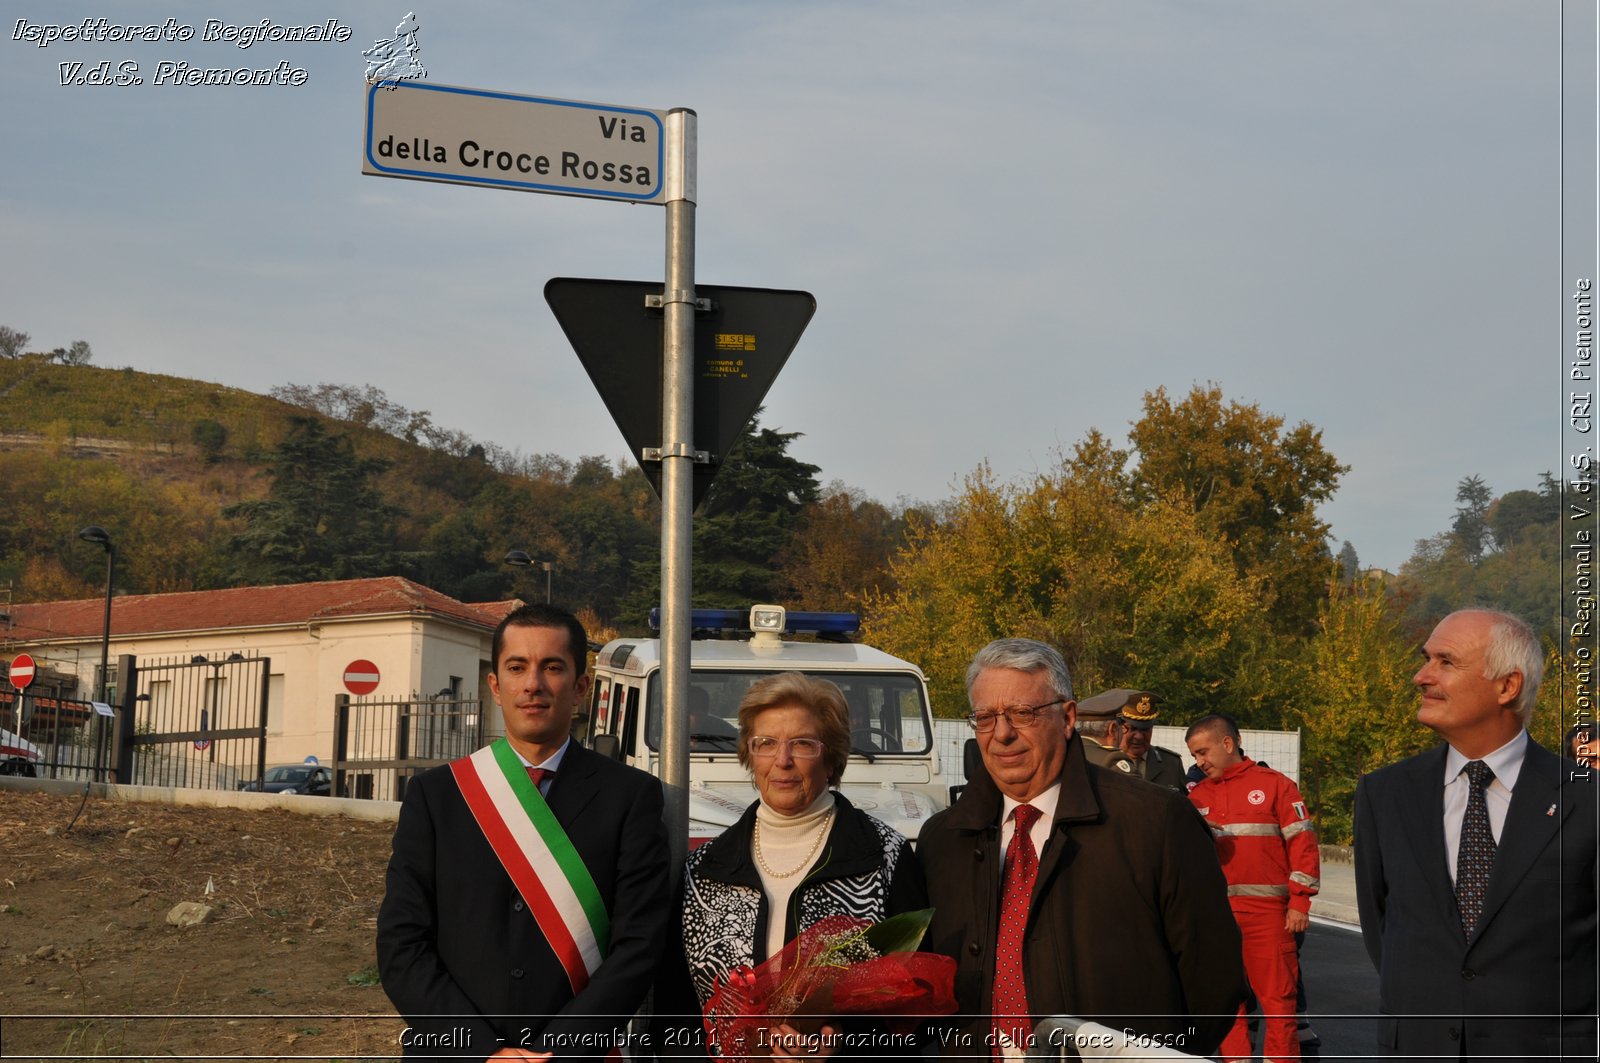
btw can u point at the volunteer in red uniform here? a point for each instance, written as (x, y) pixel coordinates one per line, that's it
(1268, 849)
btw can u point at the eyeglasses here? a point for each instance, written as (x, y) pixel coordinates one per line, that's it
(1018, 716)
(765, 746)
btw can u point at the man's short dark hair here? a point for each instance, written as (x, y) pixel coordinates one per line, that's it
(540, 615)
(1217, 721)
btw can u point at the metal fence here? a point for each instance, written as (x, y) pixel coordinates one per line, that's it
(71, 738)
(194, 723)
(380, 744)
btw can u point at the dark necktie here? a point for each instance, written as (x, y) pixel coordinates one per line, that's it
(1475, 854)
(1011, 1016)
(539, 775)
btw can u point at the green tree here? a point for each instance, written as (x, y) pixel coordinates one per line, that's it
(322, 519)
(210, 437)
(1516, 512)
(1471, 526)
(1252, 483)
(1349, 563)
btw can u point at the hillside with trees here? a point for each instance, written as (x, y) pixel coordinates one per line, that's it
(1195, 562)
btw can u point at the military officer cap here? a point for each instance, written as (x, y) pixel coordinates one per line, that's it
(1108, 704)
(1136, 708)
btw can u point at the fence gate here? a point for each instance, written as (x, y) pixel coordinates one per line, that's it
(196, 723)
(379, 745)
(68, 737)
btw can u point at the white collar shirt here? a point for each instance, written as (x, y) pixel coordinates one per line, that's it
(1506, 763)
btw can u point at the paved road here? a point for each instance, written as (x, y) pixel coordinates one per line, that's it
(1341, 991)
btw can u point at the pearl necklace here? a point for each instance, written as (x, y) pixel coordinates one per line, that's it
(805, 862)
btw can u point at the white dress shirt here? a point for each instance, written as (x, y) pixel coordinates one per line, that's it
(1506, 763)
(1045, 803)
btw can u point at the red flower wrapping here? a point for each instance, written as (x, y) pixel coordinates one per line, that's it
(829, 970)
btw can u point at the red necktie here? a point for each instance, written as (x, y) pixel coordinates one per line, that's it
(1011, 1016)
(539, 775)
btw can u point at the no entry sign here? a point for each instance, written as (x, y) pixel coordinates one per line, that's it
(361, 677)
(21, 670)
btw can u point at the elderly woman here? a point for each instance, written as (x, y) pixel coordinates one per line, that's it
(798, 854)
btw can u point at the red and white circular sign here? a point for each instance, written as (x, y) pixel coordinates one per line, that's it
(21, 670)
(361, 677)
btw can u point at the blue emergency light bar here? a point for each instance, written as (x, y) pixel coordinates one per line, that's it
(738, 620)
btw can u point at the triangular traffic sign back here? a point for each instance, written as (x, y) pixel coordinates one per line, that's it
(740, 344)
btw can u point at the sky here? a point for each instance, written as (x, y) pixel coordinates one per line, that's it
(1016, 218)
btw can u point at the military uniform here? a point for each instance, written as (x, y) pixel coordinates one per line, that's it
(1104, 707)
(1159, 764)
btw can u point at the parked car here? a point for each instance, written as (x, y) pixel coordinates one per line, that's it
(294, 779)
(18, 756)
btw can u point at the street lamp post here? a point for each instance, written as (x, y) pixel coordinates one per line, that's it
(96, 534)
(522, 559)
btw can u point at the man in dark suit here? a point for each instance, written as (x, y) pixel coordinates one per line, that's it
(526, 899)
(1063, 888)
(1476, 865)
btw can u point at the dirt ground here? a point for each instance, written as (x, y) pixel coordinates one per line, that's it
(284, 968)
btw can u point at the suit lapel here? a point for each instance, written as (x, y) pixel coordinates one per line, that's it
(1422, 813)
(1530, 826)
(573, 786)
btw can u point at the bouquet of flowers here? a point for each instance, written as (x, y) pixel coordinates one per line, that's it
(839, 965)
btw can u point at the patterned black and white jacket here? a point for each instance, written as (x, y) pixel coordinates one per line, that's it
(866, 869)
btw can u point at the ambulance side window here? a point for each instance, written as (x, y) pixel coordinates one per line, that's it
(630, 721)
(600, 706)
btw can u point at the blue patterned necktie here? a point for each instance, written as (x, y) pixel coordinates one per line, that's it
(1475, 854)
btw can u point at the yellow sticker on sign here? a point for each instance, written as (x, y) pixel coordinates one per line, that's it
(734, 341)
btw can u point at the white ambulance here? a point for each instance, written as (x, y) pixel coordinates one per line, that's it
(893, 773)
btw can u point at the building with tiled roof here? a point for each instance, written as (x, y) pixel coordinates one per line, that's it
(421, 642)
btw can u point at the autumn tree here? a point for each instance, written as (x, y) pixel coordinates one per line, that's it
(842, 547)
(1139, 596)
(1250, 482)
(1354, 698)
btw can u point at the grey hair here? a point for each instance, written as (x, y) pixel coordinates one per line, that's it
(1022, 655)
(1513, 647)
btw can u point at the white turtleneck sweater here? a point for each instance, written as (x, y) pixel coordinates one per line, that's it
(784, 842)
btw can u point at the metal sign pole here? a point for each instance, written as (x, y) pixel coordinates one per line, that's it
(677, 474)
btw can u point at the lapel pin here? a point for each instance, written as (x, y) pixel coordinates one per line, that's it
(1550, 811)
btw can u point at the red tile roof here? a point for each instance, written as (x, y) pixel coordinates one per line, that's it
(245, 607)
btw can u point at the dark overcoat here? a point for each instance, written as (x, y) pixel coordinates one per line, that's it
(1129, 923)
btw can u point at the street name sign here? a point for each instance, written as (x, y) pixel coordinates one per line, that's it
(427, 132)
(741, 340)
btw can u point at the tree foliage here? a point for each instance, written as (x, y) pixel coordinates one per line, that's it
(12, 342)
(1471, 526)
(842, 547)
(323, 517)
(1134, 595)
(1355, 701)
(1251, 482)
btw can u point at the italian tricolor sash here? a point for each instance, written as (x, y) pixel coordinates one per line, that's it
(538, 855)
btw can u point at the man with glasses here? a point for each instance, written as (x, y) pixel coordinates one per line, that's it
(1040, 849)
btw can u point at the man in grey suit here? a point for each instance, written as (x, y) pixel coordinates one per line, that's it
(1476, 865)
